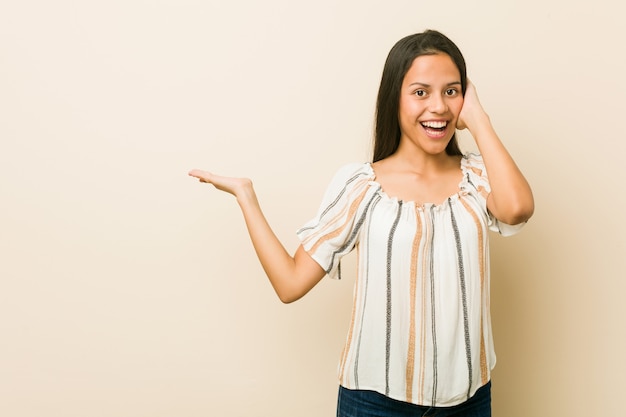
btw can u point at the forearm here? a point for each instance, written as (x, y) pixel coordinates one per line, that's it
(511, 200)
(290, 276)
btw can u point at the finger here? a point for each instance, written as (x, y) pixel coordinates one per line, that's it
(199, 173)
(195, 173)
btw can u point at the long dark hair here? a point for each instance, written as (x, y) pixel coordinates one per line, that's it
(399, 60)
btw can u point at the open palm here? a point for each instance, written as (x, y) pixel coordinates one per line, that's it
(231, 185)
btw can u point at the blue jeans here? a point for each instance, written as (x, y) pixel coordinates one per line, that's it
(361, 403)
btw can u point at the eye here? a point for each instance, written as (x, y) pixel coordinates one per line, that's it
(420, 93)
(451, 92)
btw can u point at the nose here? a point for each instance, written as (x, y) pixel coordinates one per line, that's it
(437, 104)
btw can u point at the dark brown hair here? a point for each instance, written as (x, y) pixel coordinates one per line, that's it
(399, 60)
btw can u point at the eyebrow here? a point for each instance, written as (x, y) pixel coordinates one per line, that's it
(428, 85)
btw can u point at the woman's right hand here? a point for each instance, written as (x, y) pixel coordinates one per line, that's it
(291, 276)
(239, 187)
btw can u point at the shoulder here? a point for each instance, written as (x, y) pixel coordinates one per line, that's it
(355, 167)
(348, 179)
(475, 175)
(473, 163)
(352, 171)
(473, 158)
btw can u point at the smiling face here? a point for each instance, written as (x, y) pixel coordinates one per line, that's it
(430, 102)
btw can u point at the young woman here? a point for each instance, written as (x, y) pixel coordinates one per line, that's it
(420, 340)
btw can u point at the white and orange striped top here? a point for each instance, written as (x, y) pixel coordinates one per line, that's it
(421, 328)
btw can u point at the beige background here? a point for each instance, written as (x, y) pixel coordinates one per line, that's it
(128, 289)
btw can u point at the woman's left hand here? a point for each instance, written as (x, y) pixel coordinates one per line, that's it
(472, 110)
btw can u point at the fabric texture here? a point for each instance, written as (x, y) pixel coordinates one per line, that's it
(359, 403)
(420, 330)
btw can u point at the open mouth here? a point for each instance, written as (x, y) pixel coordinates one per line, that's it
(435, 125)
(435, 128)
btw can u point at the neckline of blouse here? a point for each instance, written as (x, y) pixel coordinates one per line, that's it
(464, 167)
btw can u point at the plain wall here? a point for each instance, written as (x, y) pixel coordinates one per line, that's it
(128, 289)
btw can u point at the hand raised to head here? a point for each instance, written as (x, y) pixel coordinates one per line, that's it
(471, 110)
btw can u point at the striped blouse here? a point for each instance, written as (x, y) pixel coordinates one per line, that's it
(420, 330)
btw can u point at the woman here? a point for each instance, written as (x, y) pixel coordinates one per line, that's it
(420, 340)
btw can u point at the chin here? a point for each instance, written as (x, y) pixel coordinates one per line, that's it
(438, 148)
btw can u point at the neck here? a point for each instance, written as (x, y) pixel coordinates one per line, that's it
(423, 162)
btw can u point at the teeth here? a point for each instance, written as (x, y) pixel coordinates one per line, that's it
(435, 125)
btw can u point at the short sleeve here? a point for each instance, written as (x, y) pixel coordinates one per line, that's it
(476, 177)
(333, 232)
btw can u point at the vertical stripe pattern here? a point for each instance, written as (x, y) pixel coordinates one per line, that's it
(410, 360)
(461, 269)
(389, 298)
(484, 371)
(433, 312)
(420, 329)
(424, 274)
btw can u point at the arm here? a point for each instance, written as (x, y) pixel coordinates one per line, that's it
(291, 276)
(511, 199)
